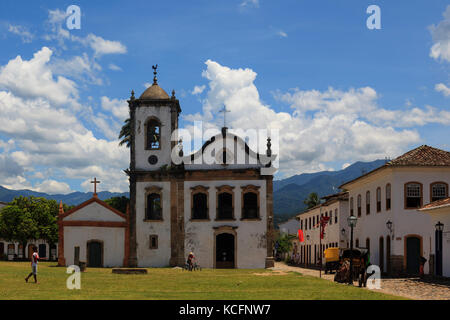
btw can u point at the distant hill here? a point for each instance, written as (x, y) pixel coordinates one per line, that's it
(74, 198)
(289, 193)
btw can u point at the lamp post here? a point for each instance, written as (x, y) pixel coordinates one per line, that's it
(389, 226)
(351, 221)
(306, 249)
(438, 244)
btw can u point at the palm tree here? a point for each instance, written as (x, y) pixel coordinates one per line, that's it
(125, 133)
(312, 200)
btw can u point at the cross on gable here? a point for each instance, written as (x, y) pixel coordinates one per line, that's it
(95, 186)
(224, 110)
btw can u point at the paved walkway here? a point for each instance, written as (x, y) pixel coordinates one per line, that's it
(413, 288)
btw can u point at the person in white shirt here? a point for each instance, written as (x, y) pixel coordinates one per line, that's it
(34, 262)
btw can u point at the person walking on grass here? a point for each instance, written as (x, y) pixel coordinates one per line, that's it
(34, 262)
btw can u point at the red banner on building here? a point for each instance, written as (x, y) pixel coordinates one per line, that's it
(300, 235)
(323, 223)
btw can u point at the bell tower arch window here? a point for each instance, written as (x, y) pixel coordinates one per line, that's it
(153, 134)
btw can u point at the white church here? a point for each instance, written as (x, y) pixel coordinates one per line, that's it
(216, 202)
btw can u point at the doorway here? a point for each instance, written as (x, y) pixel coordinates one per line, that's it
(225, 251)
(95, 254)
(413, 253)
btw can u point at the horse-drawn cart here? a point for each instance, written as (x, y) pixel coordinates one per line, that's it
(360, 262)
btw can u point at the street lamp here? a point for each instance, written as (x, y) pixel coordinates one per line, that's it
(351, 221)
(439, 226)
(438, 248)
(343, 232)
(389, 225)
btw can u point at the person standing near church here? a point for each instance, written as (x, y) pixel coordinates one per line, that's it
(34, 262)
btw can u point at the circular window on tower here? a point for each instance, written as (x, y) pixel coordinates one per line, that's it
(153, 159)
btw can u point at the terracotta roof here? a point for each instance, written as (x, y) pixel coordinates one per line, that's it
(154, 92)
(436, 204)
(423, 156)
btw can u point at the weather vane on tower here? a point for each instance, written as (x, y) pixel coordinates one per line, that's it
(154, 74)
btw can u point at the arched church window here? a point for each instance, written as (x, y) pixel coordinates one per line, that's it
(250, 202)
(153, 134)
(154, 209)
(225, 203)
(250, 210)
(200, 206)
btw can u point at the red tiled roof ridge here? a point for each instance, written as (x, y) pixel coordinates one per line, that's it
(437, 203)
(422, 156)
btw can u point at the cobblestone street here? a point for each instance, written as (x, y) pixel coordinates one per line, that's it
(413, 288)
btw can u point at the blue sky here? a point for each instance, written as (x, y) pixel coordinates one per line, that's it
(337, 91)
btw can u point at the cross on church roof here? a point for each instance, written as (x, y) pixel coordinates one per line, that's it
(95, 186)
(224, 110)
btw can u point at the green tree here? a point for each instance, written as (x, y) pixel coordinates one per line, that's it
(312, 200)
(125, 134)
(36, 219)
(285, 243)
(118, 203)
(16, 224)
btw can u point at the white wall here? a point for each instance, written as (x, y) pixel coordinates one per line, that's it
(113, 244)
(441, 215)
(94, 212)
(405, 222)
(153, 257)
(251, 239)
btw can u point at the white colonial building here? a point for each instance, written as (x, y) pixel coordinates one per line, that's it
(386, 200)
(439, 212)
(336, 231)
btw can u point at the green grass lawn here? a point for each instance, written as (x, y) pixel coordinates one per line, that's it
(168, 283)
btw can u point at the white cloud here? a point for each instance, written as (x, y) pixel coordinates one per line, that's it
(282, 34)
(323, 127)
(250, 3)
(99, 45)
(114, 67)
(79, 67)
(102, 46)
(53, 187)
(47, 132)
(440, 87)
(22, 32)
(441, 38)
(34, 79)
(198, 90)
(119, 108)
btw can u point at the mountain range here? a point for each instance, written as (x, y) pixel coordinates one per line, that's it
(288, 195)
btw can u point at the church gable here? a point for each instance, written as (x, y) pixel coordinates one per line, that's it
(94, 210)
(225, 149)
